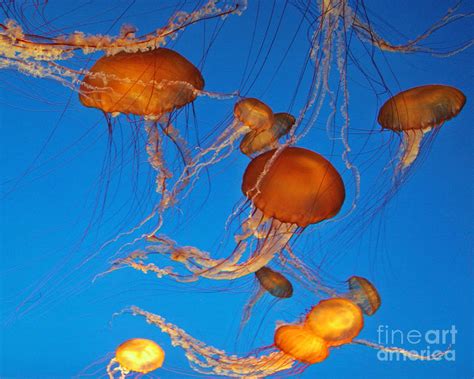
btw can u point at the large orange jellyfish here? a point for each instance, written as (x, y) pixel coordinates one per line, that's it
(136, 355)
(415, 112)
(288, 189)
(149, 84)
(330, 324)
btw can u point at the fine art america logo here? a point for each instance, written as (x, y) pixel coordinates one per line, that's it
(431, 342)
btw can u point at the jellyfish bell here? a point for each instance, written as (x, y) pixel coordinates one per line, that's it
(364, 294)
(136, 355)
(256, 142)
(274, 282)
(301, 344)
(283, 123)
(416, 111)
(150, 83)
(337, 320)
(254, 114)
(300, 187)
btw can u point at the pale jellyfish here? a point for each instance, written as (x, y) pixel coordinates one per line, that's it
(137, 355)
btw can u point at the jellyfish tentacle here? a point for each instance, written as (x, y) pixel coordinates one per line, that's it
(248, 307)
(211, 360)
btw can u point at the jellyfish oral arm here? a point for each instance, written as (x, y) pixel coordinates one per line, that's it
(200, 264)
(410, 146)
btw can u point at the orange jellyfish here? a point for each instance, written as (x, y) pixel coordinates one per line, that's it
(136, 355)
(250, 115)
(338, 321)
(330, 324)
(289, 189)
(149, 84)
(256, 142)
(254, 114)
(272, 282)
(415, 112)
(298, 188)
(301, 343)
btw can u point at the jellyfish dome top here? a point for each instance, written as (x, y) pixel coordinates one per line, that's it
(256, 142)
(416, 111)
(136, 355)
(150, 83)
(298, 187)
(274, 282)
(300, 343)
(254, 114)
(338, 321)
(364, 294)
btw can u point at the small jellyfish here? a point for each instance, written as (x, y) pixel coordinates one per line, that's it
(272, 282)
(254, 114)
(338, 321)
(136, 355)
(150, 84)
(364, 294)
(301, 343)
(250, 115)
(256, 142)
(415, 112)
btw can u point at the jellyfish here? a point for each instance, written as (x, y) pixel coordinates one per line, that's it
(337, 320)
(364, 294)
(136, 355)
(301, 343)
(288, 189)
(148, 84)
(330, 324)
(256, 142)
(250, 115)
(415, 112)
(273, 282)
(254, 114)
